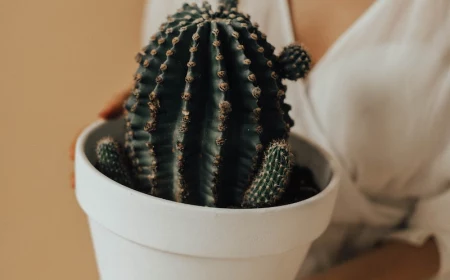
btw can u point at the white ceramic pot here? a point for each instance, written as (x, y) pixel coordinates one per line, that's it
(140, 237)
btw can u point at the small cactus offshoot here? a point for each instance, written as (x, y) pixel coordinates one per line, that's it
(112, 162)
(273, 179)
(208, 101)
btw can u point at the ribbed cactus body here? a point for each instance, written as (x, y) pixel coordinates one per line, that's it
(207, 102)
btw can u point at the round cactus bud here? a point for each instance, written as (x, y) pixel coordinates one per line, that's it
(294, 62)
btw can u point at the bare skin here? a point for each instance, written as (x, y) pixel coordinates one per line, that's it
(318, 24)
(112, 109)
(395, 260)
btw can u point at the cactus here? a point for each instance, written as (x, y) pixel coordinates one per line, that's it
(269, 187)
(208, 101)
(294, 62)
(111, 161)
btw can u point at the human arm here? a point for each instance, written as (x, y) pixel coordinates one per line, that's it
(394, 260)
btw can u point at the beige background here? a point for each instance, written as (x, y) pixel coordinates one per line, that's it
(60, 61)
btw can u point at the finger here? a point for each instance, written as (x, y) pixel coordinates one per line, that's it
(72, 180)
(114, 108)
(73, 145)
(111, 113)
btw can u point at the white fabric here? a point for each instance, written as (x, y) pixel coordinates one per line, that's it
(380, 101)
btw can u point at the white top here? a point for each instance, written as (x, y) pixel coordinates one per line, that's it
(379, 100)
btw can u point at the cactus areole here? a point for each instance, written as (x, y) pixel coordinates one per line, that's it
(206, 123)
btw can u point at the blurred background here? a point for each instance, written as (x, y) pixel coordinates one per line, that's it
(60, 61)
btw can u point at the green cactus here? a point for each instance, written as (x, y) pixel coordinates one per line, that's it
(208, 100)
(111, 161)
(270, 185)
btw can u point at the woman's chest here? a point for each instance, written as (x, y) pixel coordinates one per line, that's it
(318, 24)
(377, 97)
(382, 114)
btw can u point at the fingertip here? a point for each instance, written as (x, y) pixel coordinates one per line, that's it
(72, 180)
(104, 114)
(72, 149)
(116, 114)
(71, 154)
(112, 113)
(115, 107)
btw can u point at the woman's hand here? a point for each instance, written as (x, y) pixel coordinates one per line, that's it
(395, 260)
(113, 109)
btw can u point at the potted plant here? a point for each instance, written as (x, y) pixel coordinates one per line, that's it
(200, 179)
